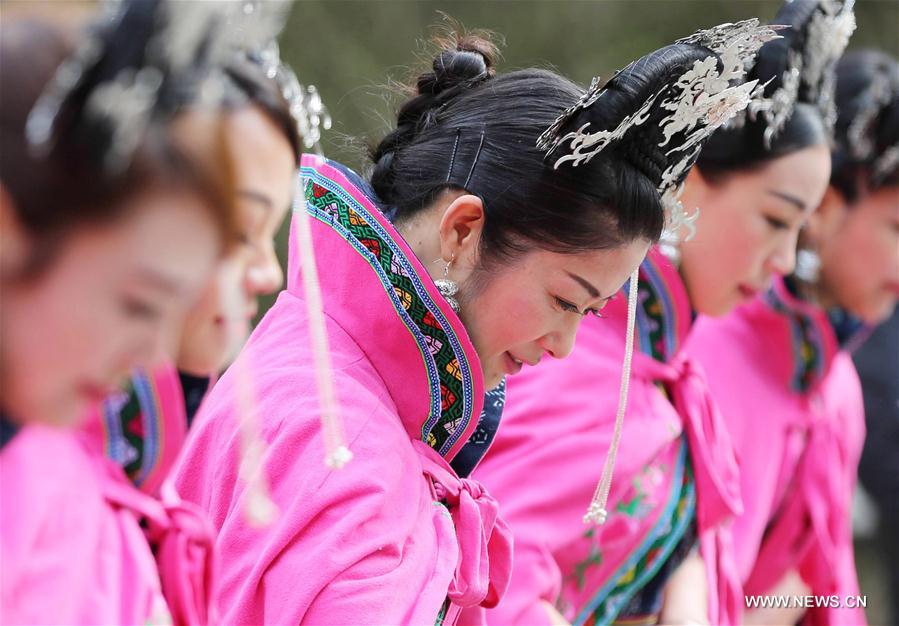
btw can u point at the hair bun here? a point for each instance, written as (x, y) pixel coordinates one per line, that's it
(464, 61)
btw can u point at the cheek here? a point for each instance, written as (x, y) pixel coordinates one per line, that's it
(503, 316)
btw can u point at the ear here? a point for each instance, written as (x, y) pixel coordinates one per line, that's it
(828, 218)
(14, 240)
(460, 231)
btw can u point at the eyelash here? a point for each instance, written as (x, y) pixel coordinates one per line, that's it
(776, 223)
(136, 308)
(570, 308)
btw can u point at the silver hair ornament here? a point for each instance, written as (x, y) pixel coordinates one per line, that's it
(885, 164)
(702, 99)
(859, 135)
(304, 102)
(194, 42)
(827, 36)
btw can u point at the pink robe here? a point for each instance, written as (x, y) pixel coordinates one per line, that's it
(793, 404)
(395, 537)
(69, 554)
(74, 550)
(548, 454)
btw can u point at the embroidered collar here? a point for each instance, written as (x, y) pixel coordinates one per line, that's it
(813, 340)
(664, 316)
(338, 200)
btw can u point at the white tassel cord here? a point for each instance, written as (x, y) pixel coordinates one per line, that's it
(596, 512)
(259, 508)
(337, 454)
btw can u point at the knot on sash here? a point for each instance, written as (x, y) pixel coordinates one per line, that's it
(711, 449)
(183, 541)
(484, 565)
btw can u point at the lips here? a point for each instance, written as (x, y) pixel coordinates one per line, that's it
(747, 291)
(512, 365)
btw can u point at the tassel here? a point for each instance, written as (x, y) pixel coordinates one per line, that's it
(337, 454)
(596, 512)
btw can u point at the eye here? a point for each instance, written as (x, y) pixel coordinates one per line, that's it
(570, 308)
(567, 306)
(139, 309)
(776, 224)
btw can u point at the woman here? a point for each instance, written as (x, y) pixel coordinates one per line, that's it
(676, 479)
(143, 427)
(93, 287)
(446, 271)
(789, 350)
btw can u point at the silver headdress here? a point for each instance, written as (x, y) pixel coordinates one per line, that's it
(809, 68)
(142, 62)
(686, 112)
(861, 134)
(697, 103)
(306, 106)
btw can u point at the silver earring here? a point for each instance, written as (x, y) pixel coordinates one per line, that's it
(448, 288)
(808, 266)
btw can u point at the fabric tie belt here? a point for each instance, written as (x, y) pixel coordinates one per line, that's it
(485, 541)
(182, 539)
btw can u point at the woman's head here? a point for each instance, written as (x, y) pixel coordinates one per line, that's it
(534, 248)
(756, 182)
(263, 144)
(856, 229)
(97, 267)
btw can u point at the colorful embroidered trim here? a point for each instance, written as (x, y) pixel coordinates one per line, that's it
(808, 344)
(448, 369)
(133, 428)
(657, 314)
(655, 550)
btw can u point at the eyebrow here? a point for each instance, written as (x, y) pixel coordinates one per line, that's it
(593, 291)
(799, 204)
(158, 281)
(256, 196)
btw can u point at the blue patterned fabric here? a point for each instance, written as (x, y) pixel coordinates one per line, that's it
(479, 442)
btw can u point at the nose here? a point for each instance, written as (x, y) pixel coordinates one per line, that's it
(560, 342)
(783, 259)
(264, 275)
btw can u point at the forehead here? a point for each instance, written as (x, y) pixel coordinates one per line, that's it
(604, 269)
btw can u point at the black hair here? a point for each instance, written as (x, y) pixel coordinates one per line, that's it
(743, 146)
(860, 75)
(70, 186)
(254, 87)
(466, 128)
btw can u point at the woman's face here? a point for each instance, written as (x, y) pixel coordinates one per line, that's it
(532, 306)
(264, 166)
(859, 249)
(748, 226)
(113, 298)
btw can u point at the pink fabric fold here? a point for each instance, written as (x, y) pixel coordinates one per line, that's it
(485, 542)
(70, 554)
(183, 540)
(711, 450)
(798, 456)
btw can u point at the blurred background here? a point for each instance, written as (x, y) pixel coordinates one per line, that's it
(353, 50)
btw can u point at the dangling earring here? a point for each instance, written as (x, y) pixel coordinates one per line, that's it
(448, 288)
(808, 266)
